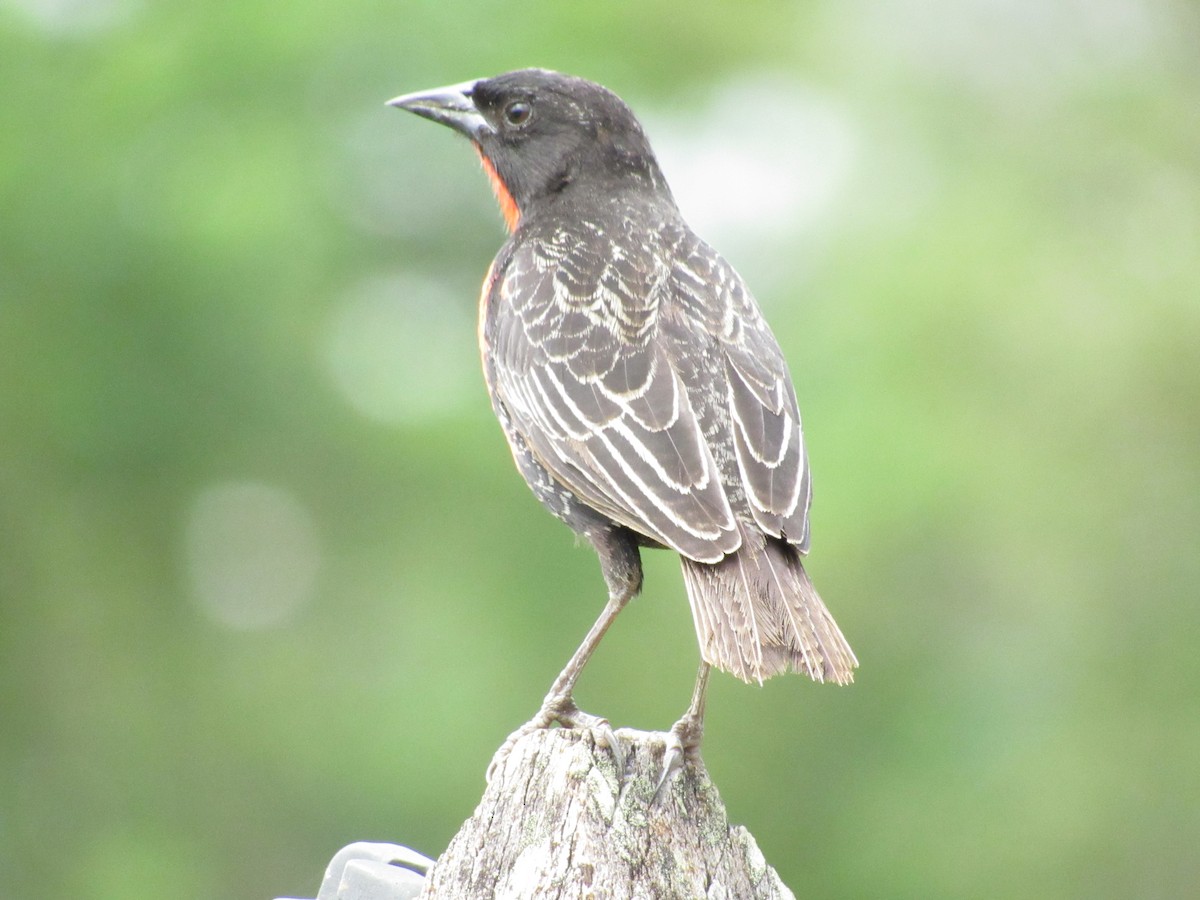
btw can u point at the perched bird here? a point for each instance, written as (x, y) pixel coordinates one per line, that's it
(643, 395)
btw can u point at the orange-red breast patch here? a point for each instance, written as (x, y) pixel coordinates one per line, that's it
(508, 206)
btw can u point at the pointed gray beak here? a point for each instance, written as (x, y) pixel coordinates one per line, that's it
(450, 106)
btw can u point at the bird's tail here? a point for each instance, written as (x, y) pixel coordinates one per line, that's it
(757, 615)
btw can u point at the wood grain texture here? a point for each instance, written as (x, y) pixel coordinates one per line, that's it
(557, 821)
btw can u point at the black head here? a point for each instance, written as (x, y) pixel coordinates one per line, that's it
(545, 134)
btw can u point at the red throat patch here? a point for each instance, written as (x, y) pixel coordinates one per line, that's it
(508, 206)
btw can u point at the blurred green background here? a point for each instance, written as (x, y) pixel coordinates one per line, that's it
(269, 583)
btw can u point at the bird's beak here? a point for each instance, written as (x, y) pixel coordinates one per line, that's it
(451, 106)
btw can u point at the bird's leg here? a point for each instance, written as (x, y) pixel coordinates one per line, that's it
(621, 565)
(683, 741)
(559, 704)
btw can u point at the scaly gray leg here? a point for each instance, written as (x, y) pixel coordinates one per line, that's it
(685, 736)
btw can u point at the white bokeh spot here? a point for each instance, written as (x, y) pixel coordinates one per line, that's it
(400, 350)
(252, 554)
(766, 157)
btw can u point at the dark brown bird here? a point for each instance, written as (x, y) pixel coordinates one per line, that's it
(644, 397)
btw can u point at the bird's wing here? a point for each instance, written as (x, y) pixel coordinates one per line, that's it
(586, 385)
(768, 443)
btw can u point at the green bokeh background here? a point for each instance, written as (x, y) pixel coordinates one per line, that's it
(269, 583)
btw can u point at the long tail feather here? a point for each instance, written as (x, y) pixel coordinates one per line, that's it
(757, 615)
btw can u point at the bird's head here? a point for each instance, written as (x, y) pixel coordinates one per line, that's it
(542, 134)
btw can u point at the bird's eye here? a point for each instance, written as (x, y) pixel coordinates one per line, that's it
(518, 112)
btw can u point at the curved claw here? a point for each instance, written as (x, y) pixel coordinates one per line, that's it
(673, 758)
(683, 743)
(614, 746)
(502, 754)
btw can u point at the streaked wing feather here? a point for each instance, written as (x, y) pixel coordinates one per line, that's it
(599, 404)
(764, 419)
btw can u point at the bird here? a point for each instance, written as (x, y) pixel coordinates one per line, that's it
(644, 398)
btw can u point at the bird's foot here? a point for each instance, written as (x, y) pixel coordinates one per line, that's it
(560, 709)
(683, 745)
